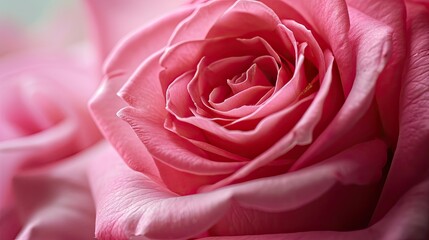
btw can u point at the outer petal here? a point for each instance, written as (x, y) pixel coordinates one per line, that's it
(411, 159)
(113, 19)
(408, 219)
(130, 204)
(373, 47)
(55, 202)
(9, 223)
(119, 67)
(389, 82)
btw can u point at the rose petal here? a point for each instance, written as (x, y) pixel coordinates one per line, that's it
(372, 39)
(112, 19)
(408, 219)
(171, 149)
(314, 52)
(238, 137)
(134, 48)
(130, 204)
(9, 223)
(242, 18)
(410, 162)
(54, 202)
(284, 96)
(389, 82)
(301, 134)
(251, 142)
(185, 56)
(217, 16)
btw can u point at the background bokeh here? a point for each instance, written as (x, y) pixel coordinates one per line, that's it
(41, 24)
(31, 11)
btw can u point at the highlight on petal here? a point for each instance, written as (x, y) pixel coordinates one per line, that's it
(195, 137)
(330, 20)
(410, 161)
(129, 204)
(134, 49)
(408, 219)
(370, 63)
(389, 83)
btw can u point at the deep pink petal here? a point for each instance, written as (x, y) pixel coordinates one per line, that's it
(373, 42)
(330, 20)
(408, 219)
(242, 18)
(130, 204)
(178, 100)
(423, 2)
(197, 25)
(301, 133)
(214, 19)
(252, 142)
(314, 51)
(410, 161)
(284, 96)
(186, 56)
(248, 97)
(9, 223)
(389, 83)
(278, 106)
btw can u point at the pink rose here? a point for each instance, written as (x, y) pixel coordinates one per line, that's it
(43, 120)
(268, 119)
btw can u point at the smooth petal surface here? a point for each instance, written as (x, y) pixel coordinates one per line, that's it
(131, 205)
(389, 82)
(119, 67)
(330, 20)
(301, 134)
(195, 26)
(43, 105)
(373, 49)
(411, 159)
(61, 205)
(408, 219)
